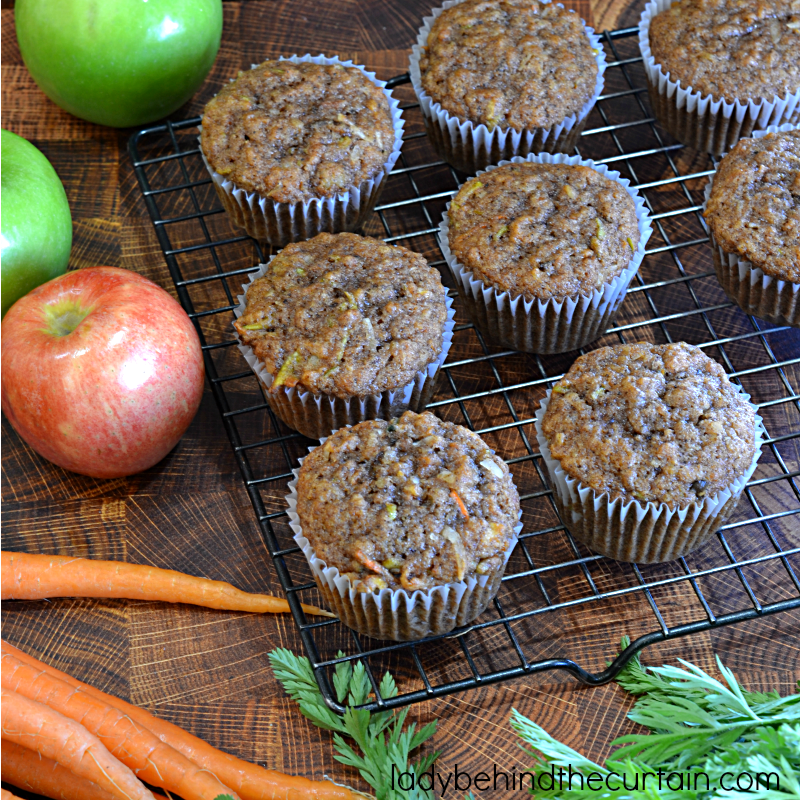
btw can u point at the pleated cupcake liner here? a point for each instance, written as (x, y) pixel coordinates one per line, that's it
(317, 415)
(647, 533)
(469, 146)
(754, 291)
(278, 224)
(546, 326)
(395, 614)
(704, 122)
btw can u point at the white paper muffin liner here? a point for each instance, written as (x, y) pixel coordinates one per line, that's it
(702, 121)
(396, 614)
(754, 291)
(547, 326)
(470, 147)
(317, 415)
(650, 532)
(281, 223)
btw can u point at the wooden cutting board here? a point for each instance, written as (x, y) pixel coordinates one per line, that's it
(207, 671)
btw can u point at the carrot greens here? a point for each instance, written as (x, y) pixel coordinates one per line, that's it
(383, 742)
(703, 732)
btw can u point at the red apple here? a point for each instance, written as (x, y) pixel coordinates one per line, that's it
(102, 371)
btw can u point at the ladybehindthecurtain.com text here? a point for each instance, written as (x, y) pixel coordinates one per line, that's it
(564, 779)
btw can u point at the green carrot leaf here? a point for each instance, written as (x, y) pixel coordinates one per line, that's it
(705, 734)
(342, 676)
(377, 744)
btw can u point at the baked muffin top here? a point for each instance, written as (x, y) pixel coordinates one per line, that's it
(543, 230)
(412, 503)
(655, 423)
(754, 207)
(513, 63)
(292, 132)
(745, 49)
(345, 315)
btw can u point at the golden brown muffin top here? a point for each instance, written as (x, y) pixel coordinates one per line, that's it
(412, 503)
(513, 63)
(292, 132)
(736, 49)
(655, 423)
(345, 315)
(543, 230)
(754, 207)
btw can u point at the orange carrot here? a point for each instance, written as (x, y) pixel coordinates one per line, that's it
(30, 771)
(371, 564)
(461, 506)
(6, 795)
(34, 725)
(135, 746)
(26, 576)
(249, 780)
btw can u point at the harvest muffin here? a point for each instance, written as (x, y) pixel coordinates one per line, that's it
(518, 66)
(733, 50)
(411, 504)
(345, 318)
(657, 425)
(753, 214)
(545, 232)
(289, 132)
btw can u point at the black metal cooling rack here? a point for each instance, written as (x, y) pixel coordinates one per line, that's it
(556, 594)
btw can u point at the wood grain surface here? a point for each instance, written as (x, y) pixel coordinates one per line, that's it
(208, 671)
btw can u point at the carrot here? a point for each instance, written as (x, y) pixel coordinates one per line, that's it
(30, 771)
(461, 506)
(6, 795)
(250, 781)
(371, 564)
(26, 576)
(134, 745)
(34, 725)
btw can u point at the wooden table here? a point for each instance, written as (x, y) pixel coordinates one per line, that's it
(208, 671)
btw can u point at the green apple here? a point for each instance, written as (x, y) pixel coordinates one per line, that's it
(36, 223)
(119, 62)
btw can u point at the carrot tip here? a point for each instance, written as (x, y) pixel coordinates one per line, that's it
(320, 612)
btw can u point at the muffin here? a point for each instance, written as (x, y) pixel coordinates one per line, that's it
(343, 328)
(718, 69)
(407, 524)
(648, 448)
(299, 146)
(499, 78)
(753, 215)
(543, 249)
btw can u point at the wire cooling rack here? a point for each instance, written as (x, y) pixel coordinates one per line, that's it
(557, 597)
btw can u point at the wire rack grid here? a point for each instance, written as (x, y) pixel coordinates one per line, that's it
(557, 597)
